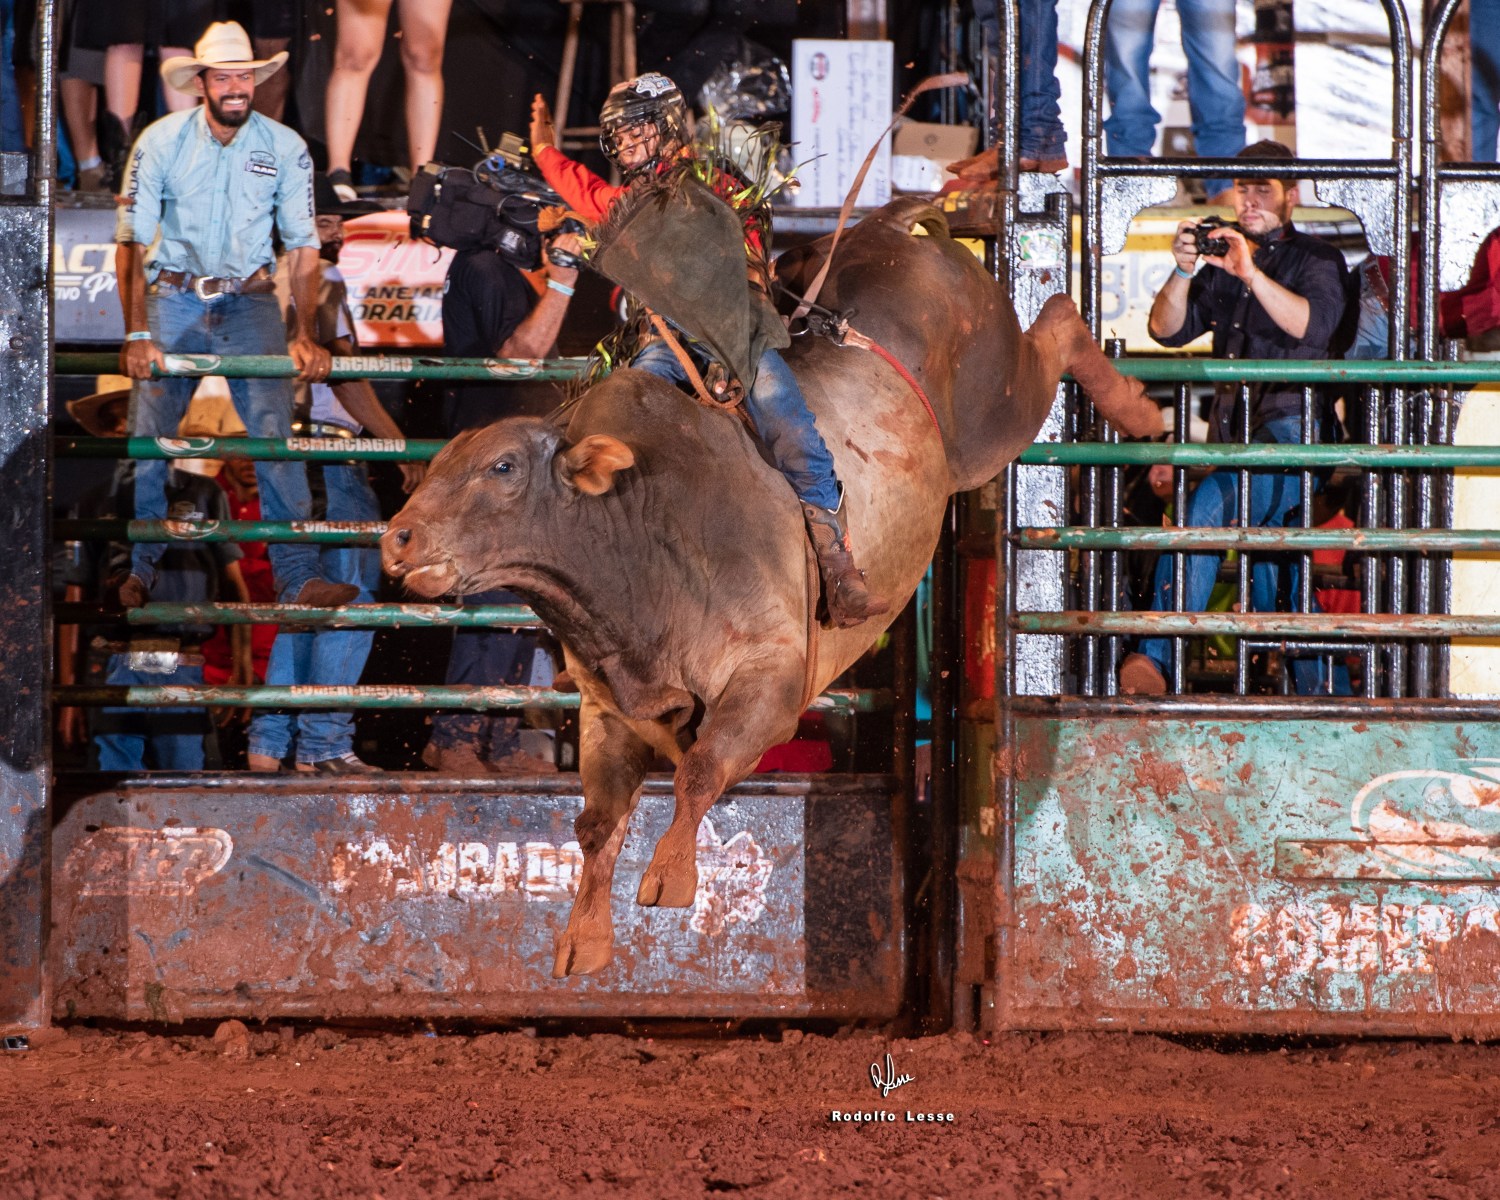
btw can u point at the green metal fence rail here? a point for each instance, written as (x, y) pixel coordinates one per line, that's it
(350, 616)
(1413, 541)
(382, 696)
(1259, 625)
(323, 533)
(368, 366)
(1155, 369)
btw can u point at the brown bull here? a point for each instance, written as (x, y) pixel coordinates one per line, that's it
(671, 560)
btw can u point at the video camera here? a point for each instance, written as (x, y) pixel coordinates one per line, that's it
(497, 205)
(1217, 247)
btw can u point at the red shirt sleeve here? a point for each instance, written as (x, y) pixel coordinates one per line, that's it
(582, 190)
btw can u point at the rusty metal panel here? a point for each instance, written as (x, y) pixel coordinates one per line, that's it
(183, 898)
(1321, 876)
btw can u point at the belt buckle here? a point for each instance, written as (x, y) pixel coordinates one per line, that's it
(207, 297)
(153, 662)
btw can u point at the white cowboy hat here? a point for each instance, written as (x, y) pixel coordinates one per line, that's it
(223, 44)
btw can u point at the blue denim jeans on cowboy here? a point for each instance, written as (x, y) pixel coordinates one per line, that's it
(327, 657)
(1215, 503)
(1216, 101)
(1041, 136)
(782, 419)
(239, 324)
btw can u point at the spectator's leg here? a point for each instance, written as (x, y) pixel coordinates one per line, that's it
(338, 655)
(1484, 79)
(424, 29)
(271, 730)
(361, 33)
(176, 734)
(270, 96)
(253, 325)
(786, 426)
(480, 657)
(176, 101)
(156, 409)
(12, 130)
(1216, 99)
(1043, 142)
(122, 83)
(119, 733)
(1128, 36)
(1214, 502)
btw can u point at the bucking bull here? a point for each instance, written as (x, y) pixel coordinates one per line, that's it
(670, 559)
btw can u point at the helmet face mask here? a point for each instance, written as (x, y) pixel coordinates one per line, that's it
(632, 111)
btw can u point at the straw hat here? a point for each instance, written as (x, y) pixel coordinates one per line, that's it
(88, 411)
(223, 44)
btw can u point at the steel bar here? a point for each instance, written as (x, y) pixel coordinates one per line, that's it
(262, 449)
(1166, 369)
(323, 533)
(1298, 540)
(384, 696)
(349, 616)
(368, 366)
(1279, 625)
(1278, 455)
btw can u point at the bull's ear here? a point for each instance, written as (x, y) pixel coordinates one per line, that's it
(590, 465)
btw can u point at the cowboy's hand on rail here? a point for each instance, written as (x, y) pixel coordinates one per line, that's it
(137, 359)
(313, 361)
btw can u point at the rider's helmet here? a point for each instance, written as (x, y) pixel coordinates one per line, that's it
(651, 98)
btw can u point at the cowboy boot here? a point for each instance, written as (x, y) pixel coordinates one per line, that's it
(849, 601)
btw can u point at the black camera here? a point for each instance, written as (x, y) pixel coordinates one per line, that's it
(495, 206)
(1215, 247)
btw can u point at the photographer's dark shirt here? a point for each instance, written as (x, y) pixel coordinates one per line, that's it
(1219, 302)
(485, 298)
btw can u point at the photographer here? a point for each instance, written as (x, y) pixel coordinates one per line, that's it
(1266, 291)
(492, 309)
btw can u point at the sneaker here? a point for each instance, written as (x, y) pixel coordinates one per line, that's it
(343, 186)
(1140, 676)
(347, 763)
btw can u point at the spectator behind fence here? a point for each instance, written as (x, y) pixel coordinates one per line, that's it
(1484, 78)
(324, 740)
(1274, 293)
(1216, 99)
(361, 33)
(196, 276)
(491, 309)
(190, 572)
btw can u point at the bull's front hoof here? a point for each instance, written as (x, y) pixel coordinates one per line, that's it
(579, 955)
(663, 888)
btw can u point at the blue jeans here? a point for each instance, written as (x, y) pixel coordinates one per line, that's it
(12, 134)
(1042, 135)
(1484, 77)
(174, 736)
(781, 418)
(328, 657)
(486, 658)
(183, 324)
(1216, 100)
(1215, 503)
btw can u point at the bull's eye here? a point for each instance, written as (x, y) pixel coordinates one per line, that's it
(503, 467)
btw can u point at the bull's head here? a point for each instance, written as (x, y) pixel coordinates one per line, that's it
(493, 502)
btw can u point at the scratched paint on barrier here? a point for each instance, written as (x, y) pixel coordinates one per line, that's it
(422, 897)
(1255, 875)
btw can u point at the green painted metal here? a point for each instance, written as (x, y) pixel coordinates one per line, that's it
(349, 616)
(261, 449)
(1259, 625)
(386, 696)
(325, 533)
(1268, 876)
(369, 366)
(1182, 369)
(1406, 540)
(1126, 454)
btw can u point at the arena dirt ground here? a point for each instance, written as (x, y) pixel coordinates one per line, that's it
(314, 1113)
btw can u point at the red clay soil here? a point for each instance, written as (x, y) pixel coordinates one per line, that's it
(322, 1113)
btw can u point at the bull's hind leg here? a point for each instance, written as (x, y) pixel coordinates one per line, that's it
(612, 763)
(757, 710)
(1065, 345)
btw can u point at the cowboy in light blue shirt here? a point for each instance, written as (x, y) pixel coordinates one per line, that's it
(194, 262)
